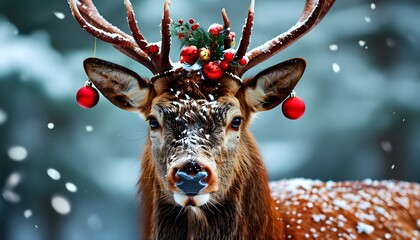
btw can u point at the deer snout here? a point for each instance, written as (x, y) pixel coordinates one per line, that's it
(192, 178)
(191, 184)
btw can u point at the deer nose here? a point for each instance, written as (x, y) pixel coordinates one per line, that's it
(191, 184)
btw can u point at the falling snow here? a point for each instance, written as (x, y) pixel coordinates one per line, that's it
(60, 15)
(27, 213)
(50, 125)
(333, 47)
(71, 187)
(89, 128)
(54, 174)
(390, 42)
(336, 67)
(17, 153)
(367, 19)
(61, 204)
(393, 166)
(362, 43)
(373, 6)
(3, 116)
(386, 146)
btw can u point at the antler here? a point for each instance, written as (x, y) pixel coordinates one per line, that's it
(313, 13)
(136, 46)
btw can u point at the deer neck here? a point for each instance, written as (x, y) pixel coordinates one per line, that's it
(247, 213)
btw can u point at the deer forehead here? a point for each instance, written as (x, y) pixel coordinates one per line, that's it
(187, 113)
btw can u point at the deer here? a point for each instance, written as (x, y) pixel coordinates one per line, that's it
(202, 175)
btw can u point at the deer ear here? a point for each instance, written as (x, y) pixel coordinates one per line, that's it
(270, 87)
(123, 87)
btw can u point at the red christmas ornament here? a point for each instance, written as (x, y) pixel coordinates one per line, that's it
(224, 64)
(212, 70)
(215, 29)
(189, 55)
(87, 96)
(293, 107)
(228, 56)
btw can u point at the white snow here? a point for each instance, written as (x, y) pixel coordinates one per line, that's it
(336, 67)
(54, 174)
(17, 153)
(27, 213)
(364, 228)
(50, 125)
(71, 187)
(89, 128)
(61, 204)
(373, 6)
(3, 116)
(362, 43)
(60, 15)
(367, 19)
(318, 217)
(386, 146)
(333, 47)
(340, 203)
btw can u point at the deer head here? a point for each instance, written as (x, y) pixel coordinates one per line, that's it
(197, 127)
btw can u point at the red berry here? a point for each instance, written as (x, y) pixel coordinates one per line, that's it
(153, 49)
(293, 108)
(191, 21)
(229, 55)
(180, 21)
(215, 29)
(212, 70)
(224, 64)
(180, 35)
(195, 26)
(87, 97)
(243, 61)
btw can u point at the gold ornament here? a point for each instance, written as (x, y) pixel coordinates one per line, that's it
(204, 54)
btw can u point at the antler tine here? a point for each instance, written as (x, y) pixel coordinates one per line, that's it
(165, 61)
(132, 23)
(246, 33)
(313, 13)
(226, 23)
(89, 19)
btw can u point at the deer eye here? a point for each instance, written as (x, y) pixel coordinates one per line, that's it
(153, 123)
(236, 123)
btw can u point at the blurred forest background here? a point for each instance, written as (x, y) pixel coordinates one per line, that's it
(69, 173)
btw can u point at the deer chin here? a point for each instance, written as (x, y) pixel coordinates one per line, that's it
(194, 201)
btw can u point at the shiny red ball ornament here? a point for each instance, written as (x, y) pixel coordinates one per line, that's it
(228, 56)
(87, 96)
(293, 107)
(212, 70)
(224, 65)
(189, 55)
(215, 29)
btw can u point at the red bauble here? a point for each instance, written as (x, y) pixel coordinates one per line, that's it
(87, 96)
(212, 70)
(189, 55)
(293, 108)
(215, 29)
(228, 56)
(224, 64)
